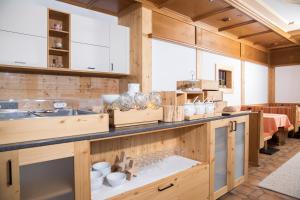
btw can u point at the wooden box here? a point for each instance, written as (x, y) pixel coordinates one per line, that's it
(213, 95)
(173, 113)
(22, 130)
(202, 84)
(135, 117)
(173, 98)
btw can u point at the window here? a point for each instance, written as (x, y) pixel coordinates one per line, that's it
(224, 76)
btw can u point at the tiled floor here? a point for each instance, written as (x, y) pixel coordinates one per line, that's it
(250, 189)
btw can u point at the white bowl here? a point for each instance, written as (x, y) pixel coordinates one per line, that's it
(96, 175)
(104, 167)
(97, 183)
(115, 179)
(109, 98)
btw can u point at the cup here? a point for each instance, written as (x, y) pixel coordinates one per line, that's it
(200, 108)
(209, 107)
(189, 109)
(103, 167)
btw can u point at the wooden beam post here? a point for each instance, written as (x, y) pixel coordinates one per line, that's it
(243, 100)
(255, 34)
(82, 170)
(139, 20)
(271, 85)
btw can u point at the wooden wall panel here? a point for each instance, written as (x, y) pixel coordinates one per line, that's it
(217, 43)
(36, 86)
(173, 30)
(139, 20)
(254, 55)
(285, 56)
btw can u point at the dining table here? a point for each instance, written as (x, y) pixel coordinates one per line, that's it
(276, 124)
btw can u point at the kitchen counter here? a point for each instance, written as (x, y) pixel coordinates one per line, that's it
(113, 132)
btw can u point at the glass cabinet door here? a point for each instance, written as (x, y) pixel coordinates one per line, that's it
(220, 173)
(239, 152)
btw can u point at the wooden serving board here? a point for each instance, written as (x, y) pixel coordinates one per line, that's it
(202, 116)
(135, 117)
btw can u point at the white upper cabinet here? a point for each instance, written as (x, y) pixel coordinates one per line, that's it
(89, 31)
(119, 49)
(22, 50)
(24, 17)
(89, 57)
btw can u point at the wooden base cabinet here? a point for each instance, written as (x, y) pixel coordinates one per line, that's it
(228, 154)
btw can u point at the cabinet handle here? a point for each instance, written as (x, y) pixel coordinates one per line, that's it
(20, 62)
(231, 126)
(112, 66)
(235, 125)
(9, 173)
(167, 187)
(91, 67)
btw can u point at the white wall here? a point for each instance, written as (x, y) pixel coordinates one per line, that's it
(256, 83)
(287, 83)
(208, 71)
(170, 63)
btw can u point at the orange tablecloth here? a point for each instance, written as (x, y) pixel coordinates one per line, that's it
(272, 122)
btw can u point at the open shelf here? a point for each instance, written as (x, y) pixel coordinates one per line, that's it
(58, 36)
(185, 163)
(167, 167)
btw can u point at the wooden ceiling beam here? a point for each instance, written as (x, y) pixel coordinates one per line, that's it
(200, 17)
(91, 3)
(255, 34)
(165, 3)
(245, 8)
(237, 25)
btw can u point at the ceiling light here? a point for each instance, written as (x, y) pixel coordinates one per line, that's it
(226, 19)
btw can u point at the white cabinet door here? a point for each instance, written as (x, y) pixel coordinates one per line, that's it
(89, 57)
(119, 49)
(24, 17)
(22, 50)
(89, 31)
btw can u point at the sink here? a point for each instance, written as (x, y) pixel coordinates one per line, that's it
(9, 114)
(62, 112)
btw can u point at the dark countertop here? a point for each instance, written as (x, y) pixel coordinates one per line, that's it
(113, 132)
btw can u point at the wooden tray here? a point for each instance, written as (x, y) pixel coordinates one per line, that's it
(203, 116)
(135, 117)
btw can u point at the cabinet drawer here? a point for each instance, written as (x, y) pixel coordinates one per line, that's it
(190, 184)
(89, 31)
(24, 17)
(23, 50)
(89, 57)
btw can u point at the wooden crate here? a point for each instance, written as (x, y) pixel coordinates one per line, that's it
(193, 117)
(202, 84)
(173, 113)
(191, 96)
(213, 95)
(135, 117)
(173, 98)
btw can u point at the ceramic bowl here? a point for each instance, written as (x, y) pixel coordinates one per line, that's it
(110, 98)
(115, 179)
(103, 167)
(96, 179)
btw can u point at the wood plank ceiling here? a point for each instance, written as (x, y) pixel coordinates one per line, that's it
(216, 13)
